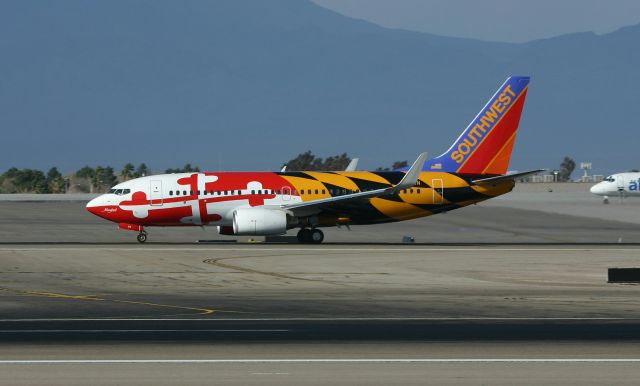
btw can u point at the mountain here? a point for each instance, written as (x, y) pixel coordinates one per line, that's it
(240, 84)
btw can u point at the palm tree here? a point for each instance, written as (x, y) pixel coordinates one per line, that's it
(127, 171)
(142, 170)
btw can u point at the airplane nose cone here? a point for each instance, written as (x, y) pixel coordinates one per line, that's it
(596, 189)
(92, 206)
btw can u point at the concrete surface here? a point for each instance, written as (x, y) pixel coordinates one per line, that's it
(322, 364)
(490, 294)
(494, 221)
(258, 281)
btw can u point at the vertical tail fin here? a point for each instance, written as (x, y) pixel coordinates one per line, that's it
(485, 146)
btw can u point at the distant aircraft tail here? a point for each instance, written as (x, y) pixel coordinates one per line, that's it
(486, 144)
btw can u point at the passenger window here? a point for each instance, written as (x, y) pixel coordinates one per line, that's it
(301, 192)
(323, 191)
(171, 192)
(184, 192)
(191, 192)
(279, 192)
(316, 191)
(295, 192)
(411, 191)
(253, 192)
(418, 191)
(309, 191)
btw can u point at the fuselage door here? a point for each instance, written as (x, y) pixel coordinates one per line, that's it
(620, 182)
(438, 190)
(156, 192)
(286, 193)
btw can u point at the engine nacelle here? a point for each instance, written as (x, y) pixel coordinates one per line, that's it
(259, 222)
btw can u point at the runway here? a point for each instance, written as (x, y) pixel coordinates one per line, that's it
(513, 302)
(261, 281)
(353, 363)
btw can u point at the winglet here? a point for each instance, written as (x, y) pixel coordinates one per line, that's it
(352, 165)
(411, 177)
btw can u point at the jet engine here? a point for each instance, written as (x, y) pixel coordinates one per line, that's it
(259, 222)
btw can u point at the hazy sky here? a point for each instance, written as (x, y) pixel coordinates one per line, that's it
(495, 20)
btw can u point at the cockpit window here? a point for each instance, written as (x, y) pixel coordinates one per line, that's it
(609, 179)
(120, 192)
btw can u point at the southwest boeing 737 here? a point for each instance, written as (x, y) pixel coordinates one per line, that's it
(270, 203)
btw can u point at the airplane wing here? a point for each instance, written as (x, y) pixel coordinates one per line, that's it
(491, 180)
(409, 180)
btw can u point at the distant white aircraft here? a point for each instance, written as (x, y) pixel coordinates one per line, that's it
(620, 184)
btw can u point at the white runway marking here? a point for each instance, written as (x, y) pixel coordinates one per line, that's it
(319, 360)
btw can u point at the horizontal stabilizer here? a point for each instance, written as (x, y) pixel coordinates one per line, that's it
(513, 176)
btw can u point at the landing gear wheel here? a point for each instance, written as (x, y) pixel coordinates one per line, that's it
(316, 236)
(310, 236)
(304, 235)
(142, 237)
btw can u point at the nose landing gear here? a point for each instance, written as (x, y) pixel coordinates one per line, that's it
(310, 236)
(142, 237)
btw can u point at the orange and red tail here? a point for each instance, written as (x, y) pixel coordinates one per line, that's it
(486, 144)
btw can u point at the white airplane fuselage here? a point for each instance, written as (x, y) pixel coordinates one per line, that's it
(626, 184)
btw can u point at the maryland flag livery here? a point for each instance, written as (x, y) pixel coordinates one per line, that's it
(473, 169)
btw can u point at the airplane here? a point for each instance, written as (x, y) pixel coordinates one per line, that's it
(620, 184)
(472, 170)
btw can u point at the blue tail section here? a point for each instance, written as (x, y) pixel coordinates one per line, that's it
(484, 147)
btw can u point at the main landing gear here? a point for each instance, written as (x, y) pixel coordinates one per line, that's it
(310, 236)
(142, 237)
